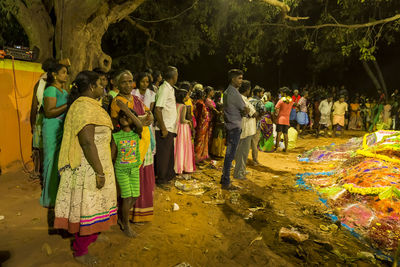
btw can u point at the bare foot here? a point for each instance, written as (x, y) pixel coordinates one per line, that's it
(87, 260)
(129, 232)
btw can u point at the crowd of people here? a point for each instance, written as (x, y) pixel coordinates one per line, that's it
(325, 108)
(103, 145)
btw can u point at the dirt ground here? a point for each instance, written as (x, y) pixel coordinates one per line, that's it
(215, 228)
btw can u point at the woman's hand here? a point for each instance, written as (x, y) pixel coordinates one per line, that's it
(122, 106)
(100, 180)
(145, 120)
(149, 117)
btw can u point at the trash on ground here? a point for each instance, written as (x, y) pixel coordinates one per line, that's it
(215, 202)
(255, 209)
(258, 238)
(249, 216)
(175, 207)
(292, 234)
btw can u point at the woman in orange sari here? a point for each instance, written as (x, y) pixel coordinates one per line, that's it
(143, 209)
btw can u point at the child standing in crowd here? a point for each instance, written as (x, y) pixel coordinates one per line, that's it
(126, 157)
(184, 150)
(339, 111)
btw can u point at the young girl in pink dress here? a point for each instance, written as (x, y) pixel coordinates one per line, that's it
(184, 150)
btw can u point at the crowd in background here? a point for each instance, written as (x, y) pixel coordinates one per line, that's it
(120, 133)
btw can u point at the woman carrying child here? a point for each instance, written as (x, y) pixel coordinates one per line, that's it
(126, 157)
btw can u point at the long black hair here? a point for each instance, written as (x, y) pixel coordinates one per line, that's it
(180, 95)
(53, 67)
(140, 77)
(198, 94)
(48, 64)
(81, 84)
(208, 90)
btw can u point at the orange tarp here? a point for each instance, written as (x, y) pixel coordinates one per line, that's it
(13, 139)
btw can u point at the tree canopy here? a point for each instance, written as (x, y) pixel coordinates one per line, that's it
(245, 32)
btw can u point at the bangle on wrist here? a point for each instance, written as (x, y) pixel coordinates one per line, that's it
(101, 175)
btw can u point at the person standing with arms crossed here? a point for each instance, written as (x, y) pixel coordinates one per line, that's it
(234, 110)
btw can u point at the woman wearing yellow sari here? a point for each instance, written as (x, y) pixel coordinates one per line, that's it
(86, 202)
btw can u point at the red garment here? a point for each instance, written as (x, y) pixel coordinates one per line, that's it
(296, 99)
(143, 208)
(82, 243)
(202, 131)
(138, 106)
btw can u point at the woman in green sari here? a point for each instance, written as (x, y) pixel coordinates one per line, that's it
(55, 106)
(266, 143)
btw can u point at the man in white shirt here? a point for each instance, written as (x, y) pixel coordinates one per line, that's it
(166, 115)
(325, 108)
(249, 129)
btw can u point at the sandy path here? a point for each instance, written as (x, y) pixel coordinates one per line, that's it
(200, 234)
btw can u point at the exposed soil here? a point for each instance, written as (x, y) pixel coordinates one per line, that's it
(201, 234)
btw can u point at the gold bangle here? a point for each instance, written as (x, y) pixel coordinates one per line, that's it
(100, 175)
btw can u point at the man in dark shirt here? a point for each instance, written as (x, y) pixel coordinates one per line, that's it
(234, 109)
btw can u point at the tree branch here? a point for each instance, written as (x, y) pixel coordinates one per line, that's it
(145, 31)
(285, 9)
(333, 25)
(169, 18)
(138, 26)
(121, 11)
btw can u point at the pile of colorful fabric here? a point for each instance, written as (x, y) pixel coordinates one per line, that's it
(364, 192)
(332, 152)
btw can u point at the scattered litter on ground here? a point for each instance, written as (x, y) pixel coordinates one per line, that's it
(249, 216)
(175, 207)
(292, 234)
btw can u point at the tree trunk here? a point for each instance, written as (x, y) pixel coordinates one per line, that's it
(371, 75)
(36, 22)
(381, 79)
(80, 26)
(79, 37)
